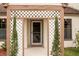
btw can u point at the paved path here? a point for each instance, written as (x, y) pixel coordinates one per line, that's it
(35, 51)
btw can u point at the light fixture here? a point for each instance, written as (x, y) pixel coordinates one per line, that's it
(3, 20)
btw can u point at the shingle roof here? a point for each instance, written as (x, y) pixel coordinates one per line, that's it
(2, 9)
(69, 10)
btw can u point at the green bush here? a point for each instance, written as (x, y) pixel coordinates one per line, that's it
(3, 45)
(77, 39)
(14, 40)
(56, 42)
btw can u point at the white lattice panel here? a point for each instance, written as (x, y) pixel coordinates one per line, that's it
(20, 36)
(35, 14)
(19, 28)
(51, 34)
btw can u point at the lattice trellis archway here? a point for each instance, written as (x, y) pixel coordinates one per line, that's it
(24, 13)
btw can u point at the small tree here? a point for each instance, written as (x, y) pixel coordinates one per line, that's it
(56, 42)
(77, 39)
(14, 40)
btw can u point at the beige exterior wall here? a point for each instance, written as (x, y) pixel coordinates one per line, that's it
(75, 28)
(45, 33)
(27, 34)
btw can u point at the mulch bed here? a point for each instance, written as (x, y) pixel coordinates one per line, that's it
(2, 52)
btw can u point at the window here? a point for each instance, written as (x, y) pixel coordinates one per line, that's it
(68, 29)
(2, 29)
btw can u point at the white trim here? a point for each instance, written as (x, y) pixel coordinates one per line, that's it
(35, 4)
(3, 16)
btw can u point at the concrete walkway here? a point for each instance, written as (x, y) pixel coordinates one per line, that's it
(35, 51)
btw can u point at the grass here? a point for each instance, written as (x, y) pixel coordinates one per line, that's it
(71, 51)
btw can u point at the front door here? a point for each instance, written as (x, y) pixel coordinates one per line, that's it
(36, 32)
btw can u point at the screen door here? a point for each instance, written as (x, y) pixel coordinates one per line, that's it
(36, 32)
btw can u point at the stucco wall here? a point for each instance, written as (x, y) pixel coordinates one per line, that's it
(45, 37)
(25, 33)
(75, 28)
(27, 36)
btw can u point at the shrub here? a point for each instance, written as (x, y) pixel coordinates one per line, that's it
(56, 42)
(14, 40)
(77, 39)
(3, 45)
